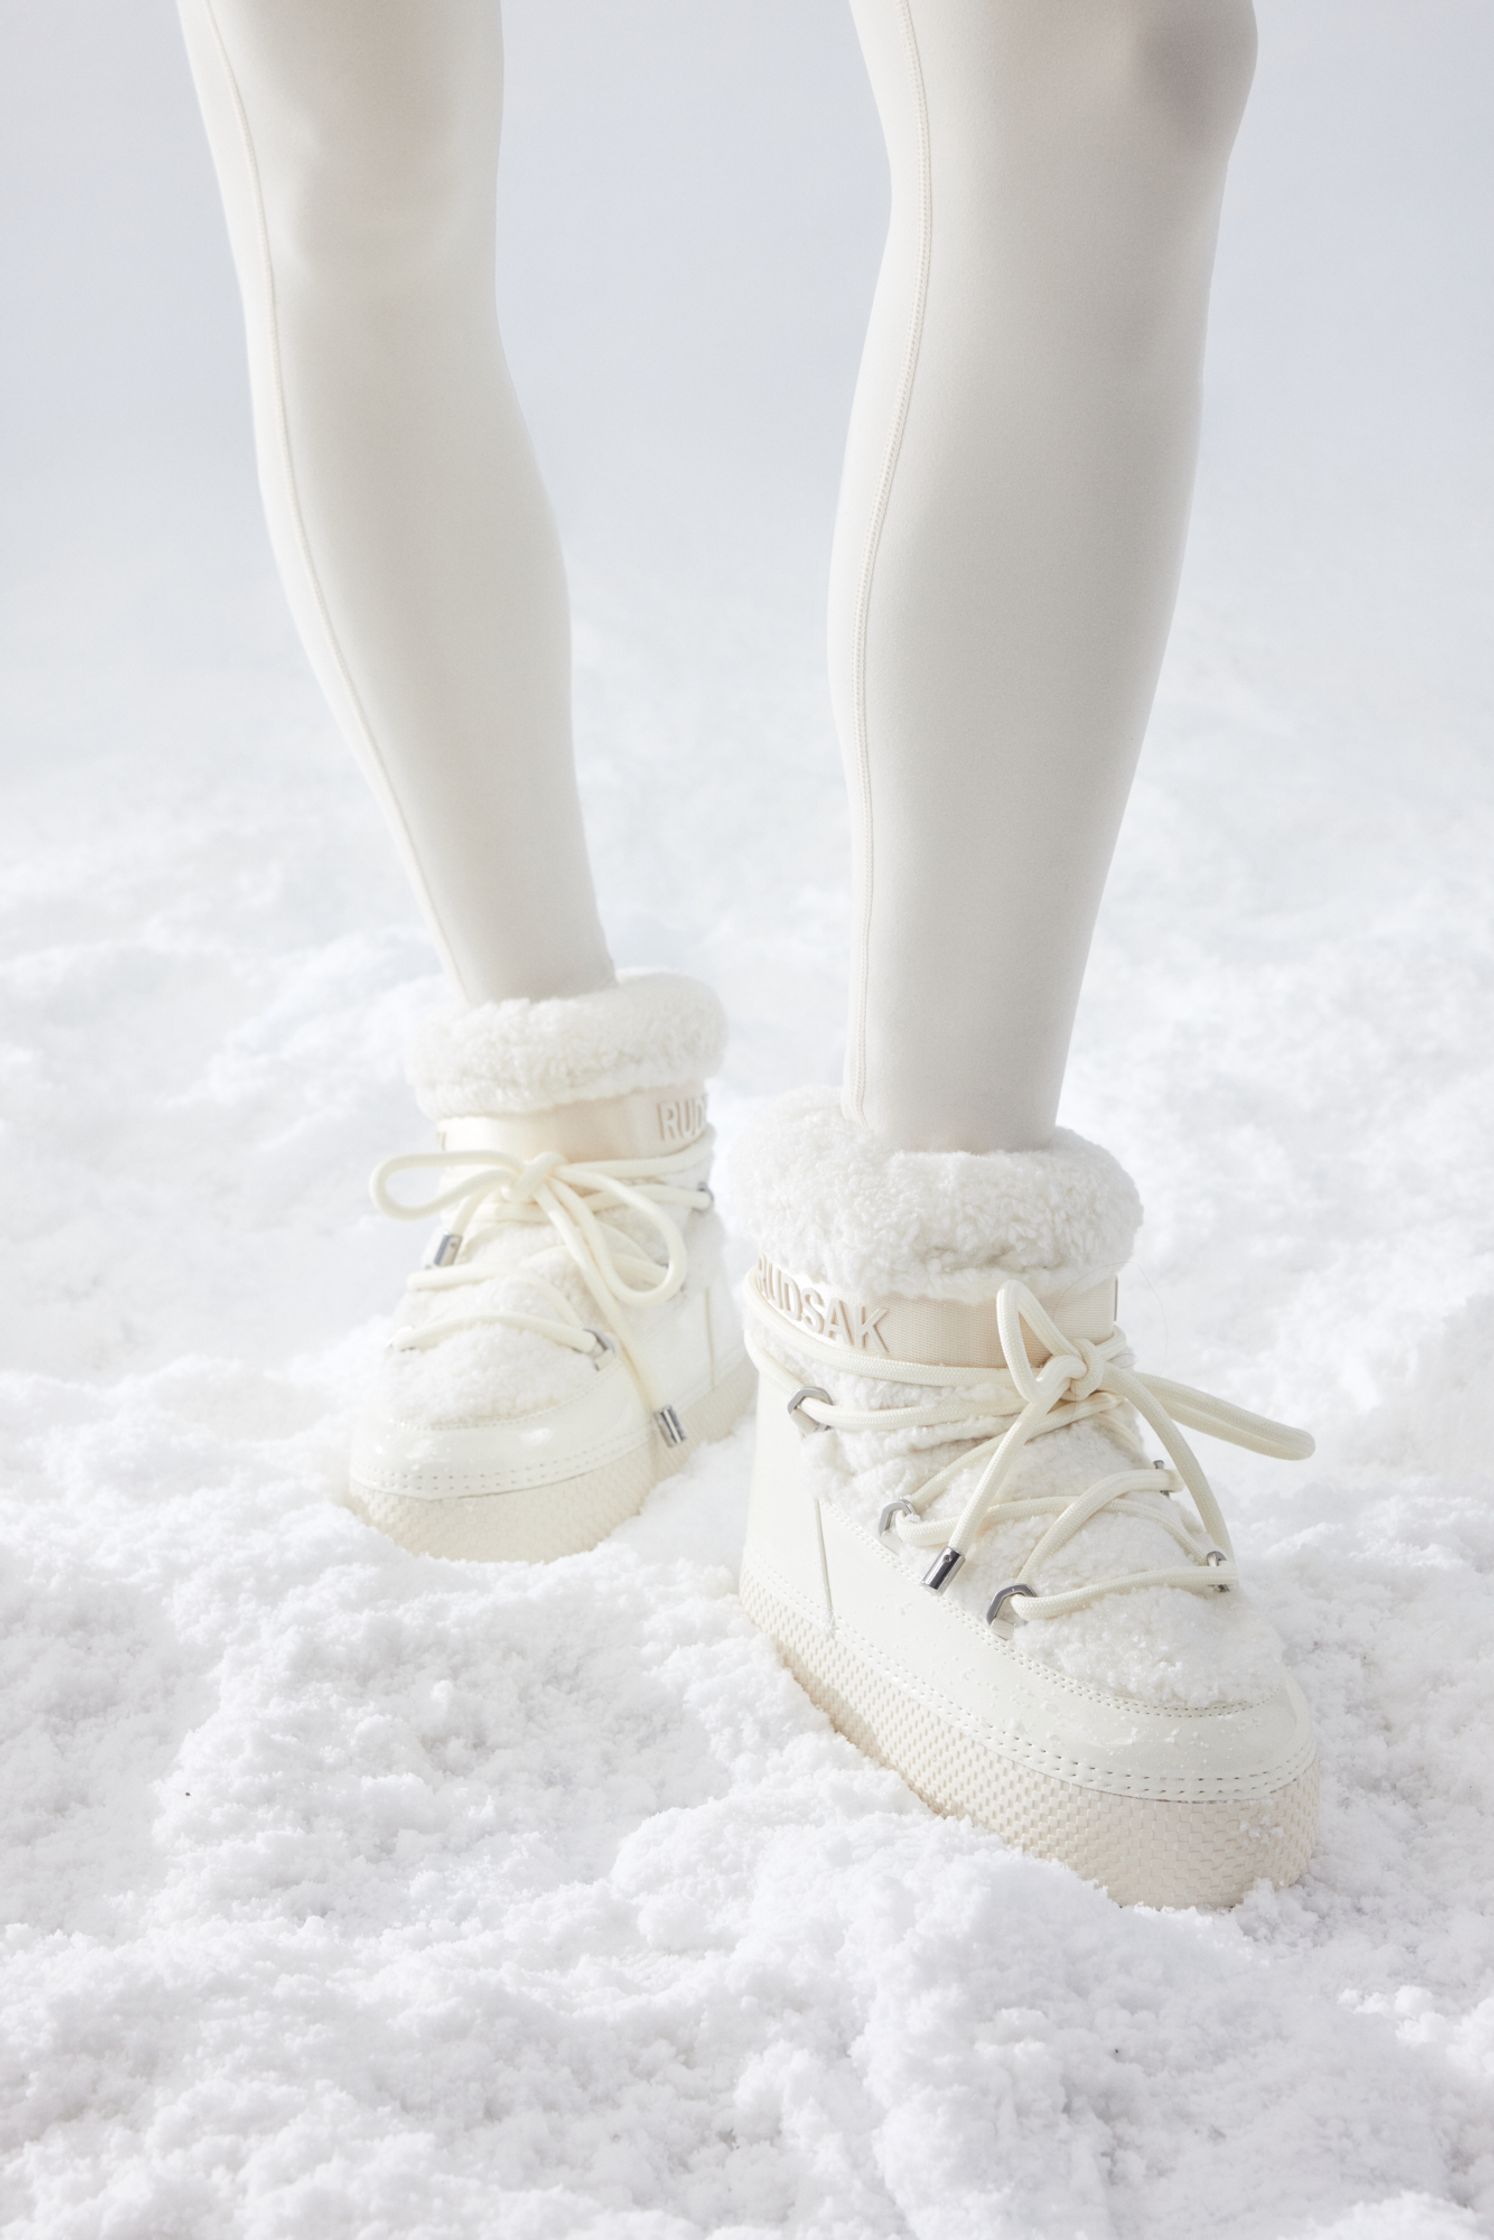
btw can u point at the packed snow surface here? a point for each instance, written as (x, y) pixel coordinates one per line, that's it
(352, 1893)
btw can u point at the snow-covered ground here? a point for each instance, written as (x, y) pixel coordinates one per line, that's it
(354, 1893)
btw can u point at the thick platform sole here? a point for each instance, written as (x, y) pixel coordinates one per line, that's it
(1144, 1851)
(536, 1524)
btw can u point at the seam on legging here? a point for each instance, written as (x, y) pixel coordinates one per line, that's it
(298, 521)
(857, 1082)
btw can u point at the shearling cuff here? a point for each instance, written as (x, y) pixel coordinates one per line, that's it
(825, 1198)
(651, 1030)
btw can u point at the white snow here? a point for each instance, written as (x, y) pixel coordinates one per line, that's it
(353, 1893)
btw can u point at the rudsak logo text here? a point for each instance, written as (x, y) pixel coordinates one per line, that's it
(681, 1119)
(822, 1313)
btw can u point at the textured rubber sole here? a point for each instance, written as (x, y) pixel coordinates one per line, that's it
(1144, 1851)
(535, 1524)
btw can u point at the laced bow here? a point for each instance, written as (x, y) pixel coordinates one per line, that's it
(494, 1190)
(1002, 1411)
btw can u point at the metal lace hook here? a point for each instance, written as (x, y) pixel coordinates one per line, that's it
(999, 1601)
(894, 1509)
(805, 1392)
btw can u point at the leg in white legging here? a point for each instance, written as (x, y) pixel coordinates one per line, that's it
(356, 143)
(1012, 518)
(1015, 491)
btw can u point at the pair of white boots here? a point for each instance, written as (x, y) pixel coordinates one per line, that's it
(957, 1537)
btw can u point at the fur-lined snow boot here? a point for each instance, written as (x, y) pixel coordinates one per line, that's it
(571, 1337)
(957, 1537)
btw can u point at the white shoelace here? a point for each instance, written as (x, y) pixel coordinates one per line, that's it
(995, 1413)
(572, 1198)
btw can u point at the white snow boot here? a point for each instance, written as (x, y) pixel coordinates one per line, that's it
(572, 1337)
(957, 1537)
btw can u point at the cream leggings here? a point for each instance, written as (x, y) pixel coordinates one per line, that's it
(1012, 511)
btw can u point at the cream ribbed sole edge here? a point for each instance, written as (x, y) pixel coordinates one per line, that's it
(535, 1524)
(1142, 1850)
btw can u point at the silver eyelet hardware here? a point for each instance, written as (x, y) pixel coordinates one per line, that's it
(1214, 1558)
(894, 1509)
(943, 1568)
(999, 1601)
(447, 1249)
(805, 1392)
(605, 1344)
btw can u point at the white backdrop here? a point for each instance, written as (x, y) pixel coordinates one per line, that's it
(358, 1894)
(693, 196)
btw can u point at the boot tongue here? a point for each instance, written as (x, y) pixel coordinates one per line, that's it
(948, 1333)
(649, 1121)
(647, 1124)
